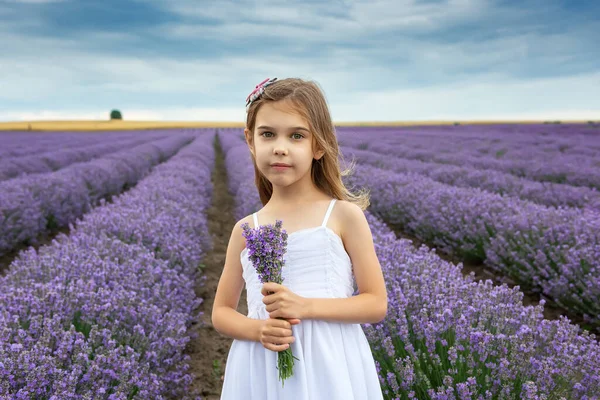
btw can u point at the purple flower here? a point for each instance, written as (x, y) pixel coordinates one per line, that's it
(266, 246)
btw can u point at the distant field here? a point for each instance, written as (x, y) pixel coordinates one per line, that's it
(122, 125)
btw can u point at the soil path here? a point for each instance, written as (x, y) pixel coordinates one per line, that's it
(41, 240)
(209, 352)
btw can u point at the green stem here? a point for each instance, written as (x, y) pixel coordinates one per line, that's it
(285, 364)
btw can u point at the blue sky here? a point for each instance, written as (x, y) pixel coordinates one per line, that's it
(375, 60)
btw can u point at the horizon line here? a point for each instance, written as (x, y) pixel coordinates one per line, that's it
(116, 124)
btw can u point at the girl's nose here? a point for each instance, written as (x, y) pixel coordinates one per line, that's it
(280, 151)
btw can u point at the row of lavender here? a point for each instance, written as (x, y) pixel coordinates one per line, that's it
(20, 143)
(434, 344)
(56, 159)
(555, 251)
(546, 193)
(534, 142)
(559, 169)
(36, 203)
(105, 312)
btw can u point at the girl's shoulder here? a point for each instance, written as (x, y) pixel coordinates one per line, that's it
(248, 219)
(346, 216)
(347, 211)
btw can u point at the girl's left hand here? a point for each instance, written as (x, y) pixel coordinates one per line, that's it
(281, 302)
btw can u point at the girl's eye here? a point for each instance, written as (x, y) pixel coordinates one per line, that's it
(268, 134)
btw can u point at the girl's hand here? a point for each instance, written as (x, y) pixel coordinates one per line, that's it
(281, 302)
(276, 334)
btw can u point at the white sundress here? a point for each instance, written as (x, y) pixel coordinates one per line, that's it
(335, 360)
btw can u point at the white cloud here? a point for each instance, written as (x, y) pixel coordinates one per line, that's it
(141, 114)
(59, 66)
(49, 115)
(329, 22)
(87, 74)
(33, 1)
(343, 45)
(415, 16)
(372, 14)
(477, 101)
(537, 99)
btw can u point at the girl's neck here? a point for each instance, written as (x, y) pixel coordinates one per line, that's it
(298, 194)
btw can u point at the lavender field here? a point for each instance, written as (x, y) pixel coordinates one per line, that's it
(448, 336)
(104, 312)
(111, 305)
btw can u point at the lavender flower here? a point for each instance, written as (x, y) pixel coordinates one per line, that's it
(266, 246)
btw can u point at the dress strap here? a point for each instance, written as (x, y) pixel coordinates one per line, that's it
(328, 212)
(255, 217)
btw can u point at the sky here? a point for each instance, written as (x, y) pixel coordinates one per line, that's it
(389, 60)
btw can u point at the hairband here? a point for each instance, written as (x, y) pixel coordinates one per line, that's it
(258, 90)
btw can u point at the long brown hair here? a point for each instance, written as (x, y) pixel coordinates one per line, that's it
(310, 103)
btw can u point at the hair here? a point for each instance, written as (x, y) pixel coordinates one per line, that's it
(309, 101)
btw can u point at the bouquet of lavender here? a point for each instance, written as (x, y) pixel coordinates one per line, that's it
(266, 246)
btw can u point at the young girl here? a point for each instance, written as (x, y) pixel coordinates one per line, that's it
(294, 149)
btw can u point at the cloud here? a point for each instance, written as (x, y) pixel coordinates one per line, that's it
(175, 114)
(372, 14)
(477, 101)
(33, 1)
(350, 22)
(196, 61)
(415, 43)
(537, 99)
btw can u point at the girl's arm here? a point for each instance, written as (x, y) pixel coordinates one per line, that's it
(225, 317)
(370, 306)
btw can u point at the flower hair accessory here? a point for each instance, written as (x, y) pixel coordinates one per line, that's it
(258, 90)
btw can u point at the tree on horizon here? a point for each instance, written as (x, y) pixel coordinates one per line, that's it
(116, 114)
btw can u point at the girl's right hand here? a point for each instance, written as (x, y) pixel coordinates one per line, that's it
(276, 334)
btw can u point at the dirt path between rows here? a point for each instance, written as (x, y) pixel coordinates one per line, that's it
(209, 352)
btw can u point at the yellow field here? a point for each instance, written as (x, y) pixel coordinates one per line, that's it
(124, 125)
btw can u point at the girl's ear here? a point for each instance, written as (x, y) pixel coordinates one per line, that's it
(249, 140)
(319, 154)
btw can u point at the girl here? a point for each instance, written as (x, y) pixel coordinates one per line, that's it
(294, 150)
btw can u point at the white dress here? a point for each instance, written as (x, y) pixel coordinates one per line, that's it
(335, 360)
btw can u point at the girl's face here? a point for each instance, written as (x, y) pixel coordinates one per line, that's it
(281, 144)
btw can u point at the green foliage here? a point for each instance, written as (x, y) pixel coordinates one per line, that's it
(500, 153)
(217, 369)
(115, 114)
(81, 326)
(51, 223)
